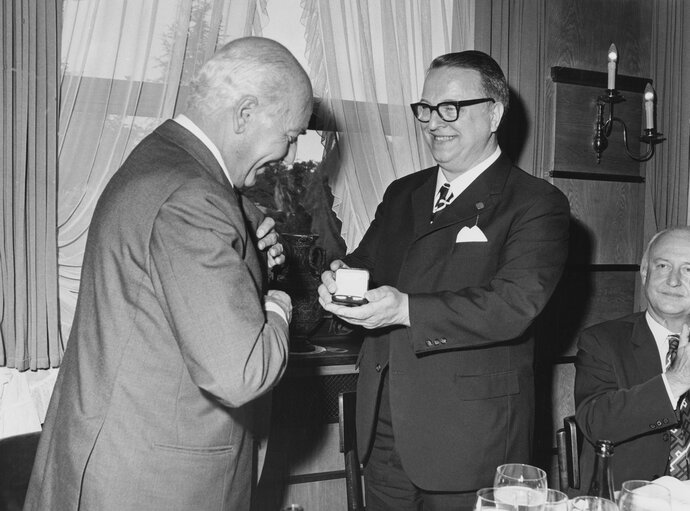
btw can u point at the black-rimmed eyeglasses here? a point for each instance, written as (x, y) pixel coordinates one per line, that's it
(448, 110)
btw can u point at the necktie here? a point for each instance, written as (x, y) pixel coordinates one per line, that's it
(678, 453)
(445, 197)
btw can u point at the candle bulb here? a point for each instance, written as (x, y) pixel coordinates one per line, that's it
(613, 58)
(648, 102)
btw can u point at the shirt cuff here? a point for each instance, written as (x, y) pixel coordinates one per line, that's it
(274, 307)
(672, 398)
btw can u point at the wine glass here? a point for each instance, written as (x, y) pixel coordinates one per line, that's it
(487, 500)
(521, 485)
(637, 495)
(556, 501)
(593, 504)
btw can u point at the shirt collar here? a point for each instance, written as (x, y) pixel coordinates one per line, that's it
(460, 183)
(660, 333)
(189, 125)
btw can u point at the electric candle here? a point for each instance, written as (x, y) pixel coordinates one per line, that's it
(613, 58)
(648, 102)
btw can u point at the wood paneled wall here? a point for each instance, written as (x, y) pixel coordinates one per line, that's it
(529, 38)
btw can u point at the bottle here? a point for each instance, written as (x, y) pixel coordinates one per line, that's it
(602, 478)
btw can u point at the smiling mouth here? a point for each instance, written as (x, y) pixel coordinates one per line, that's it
(440, 138)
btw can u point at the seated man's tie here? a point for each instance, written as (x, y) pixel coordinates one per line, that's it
(678, 454)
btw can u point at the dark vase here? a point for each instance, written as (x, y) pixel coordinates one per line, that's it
(300, 277)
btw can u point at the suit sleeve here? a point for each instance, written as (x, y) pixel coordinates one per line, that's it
(606, 407)
(231, 347)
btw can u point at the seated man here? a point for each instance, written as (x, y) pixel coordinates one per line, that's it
(629, 385)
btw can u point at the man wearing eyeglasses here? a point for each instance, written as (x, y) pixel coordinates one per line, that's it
(462, 256)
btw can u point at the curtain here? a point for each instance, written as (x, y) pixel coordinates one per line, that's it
(667, 171)
(367, 62)
(29, 334)
(126, 67)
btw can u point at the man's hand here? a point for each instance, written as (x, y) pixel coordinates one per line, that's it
(282, 300)
(387, 306)
(267, 239)
(328, 287)
(678, 375)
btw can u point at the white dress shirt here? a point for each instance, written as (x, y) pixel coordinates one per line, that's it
(661, 334)
(460, 183)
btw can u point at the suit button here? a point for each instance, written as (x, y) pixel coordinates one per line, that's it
(652, 426)
(378, 368)
(665, 437)
(443, 340)
(436, 342)
(658, 423)
(666, 420)
(429, 343)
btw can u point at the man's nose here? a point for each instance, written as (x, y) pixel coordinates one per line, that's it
(674, 277)
(290, 156)
(435, 120)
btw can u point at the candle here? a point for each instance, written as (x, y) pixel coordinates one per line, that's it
(613, 58)
(648, 102)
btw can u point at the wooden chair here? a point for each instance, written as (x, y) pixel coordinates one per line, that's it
(568, 444)
(17, 455)
(348, 446)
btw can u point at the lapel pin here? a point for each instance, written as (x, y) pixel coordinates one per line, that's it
(479, 205)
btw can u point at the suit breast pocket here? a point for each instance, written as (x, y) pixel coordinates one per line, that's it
(486, 386)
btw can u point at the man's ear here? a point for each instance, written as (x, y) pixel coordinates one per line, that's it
(497, 110)
(643, 272)
(244, 112)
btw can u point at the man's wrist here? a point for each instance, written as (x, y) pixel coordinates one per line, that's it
(405, 309)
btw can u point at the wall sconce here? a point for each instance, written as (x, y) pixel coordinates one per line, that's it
(603, 128)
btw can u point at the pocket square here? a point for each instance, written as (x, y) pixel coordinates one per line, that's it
(473, 233)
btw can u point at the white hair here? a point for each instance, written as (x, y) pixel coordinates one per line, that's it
(249, 65)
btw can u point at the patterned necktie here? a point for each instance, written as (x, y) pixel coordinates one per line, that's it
(678, 459)
(444, 198)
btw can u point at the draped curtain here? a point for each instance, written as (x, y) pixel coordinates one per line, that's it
(29, 334)
(667, 171)
(126, 67)
(367, 62)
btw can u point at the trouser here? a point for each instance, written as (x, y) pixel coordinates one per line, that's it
(387, 487)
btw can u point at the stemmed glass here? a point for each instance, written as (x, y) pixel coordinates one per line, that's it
(593, 504)
(520, 485)
(487, 500)
(639, 495)
(556, 501)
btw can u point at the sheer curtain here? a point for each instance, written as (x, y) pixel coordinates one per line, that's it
(126, 67)
(667, 172)
(367, 63)
(29, 335)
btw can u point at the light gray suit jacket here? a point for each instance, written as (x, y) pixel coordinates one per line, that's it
(154, 406)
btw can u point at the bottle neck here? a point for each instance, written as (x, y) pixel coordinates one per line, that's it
(602, 477)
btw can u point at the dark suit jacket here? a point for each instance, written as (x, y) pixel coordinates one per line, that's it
(461, 377)
(154, 405)
(620, 396)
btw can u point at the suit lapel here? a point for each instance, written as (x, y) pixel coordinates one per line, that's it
(250, 214)
(644, 350)
(422, 203)
(480, 197)
(183, 138)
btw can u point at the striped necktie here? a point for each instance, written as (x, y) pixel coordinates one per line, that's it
(445, 197)
(678, 452)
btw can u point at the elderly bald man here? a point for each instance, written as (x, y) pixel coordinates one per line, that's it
(175, 335)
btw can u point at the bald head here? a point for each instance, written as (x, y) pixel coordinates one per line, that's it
(250, 66)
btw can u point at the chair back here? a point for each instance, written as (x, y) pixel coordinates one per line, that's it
(568, 444)
(348, 446)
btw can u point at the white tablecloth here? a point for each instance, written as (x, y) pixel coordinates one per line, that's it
(680, 492)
